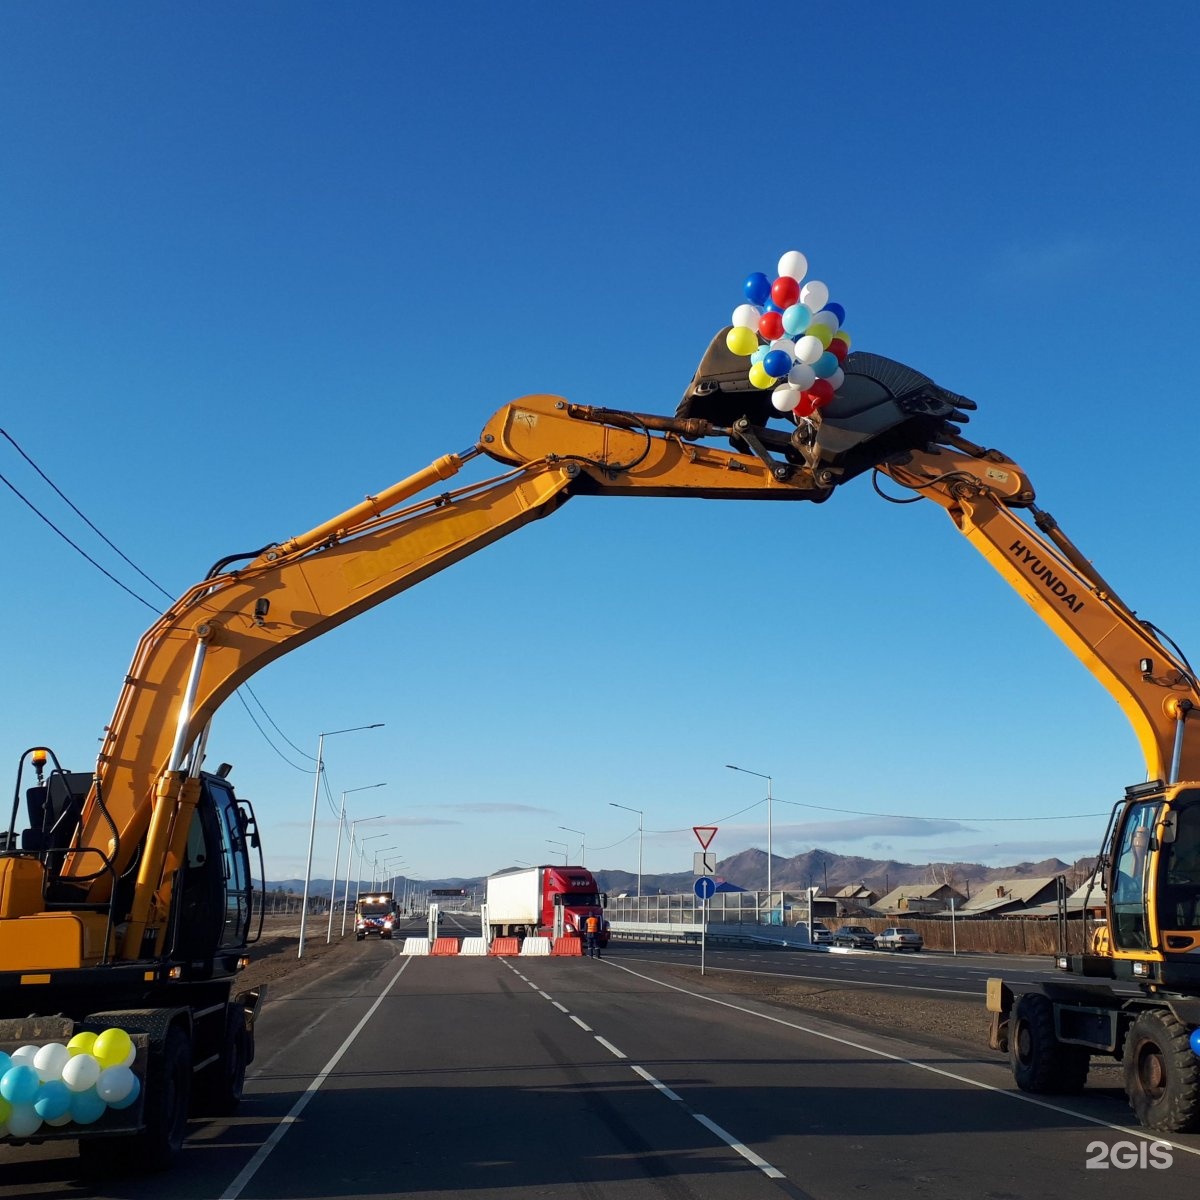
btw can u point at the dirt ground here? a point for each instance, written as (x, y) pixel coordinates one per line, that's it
(274, 960)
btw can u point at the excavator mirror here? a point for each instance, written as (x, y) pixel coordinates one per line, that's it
(1168, 829)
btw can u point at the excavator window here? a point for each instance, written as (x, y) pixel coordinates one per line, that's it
(1131, 878)
(1179, 886)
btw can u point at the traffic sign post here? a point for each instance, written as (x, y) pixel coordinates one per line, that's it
(704, 887)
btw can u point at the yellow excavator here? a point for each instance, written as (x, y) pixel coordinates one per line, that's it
(125, 892)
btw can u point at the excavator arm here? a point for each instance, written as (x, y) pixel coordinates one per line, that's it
(241, 617)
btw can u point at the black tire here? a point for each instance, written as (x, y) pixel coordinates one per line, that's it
(221, 1085)
(1162, 1075)
(1040, 1062)
(165, 1110)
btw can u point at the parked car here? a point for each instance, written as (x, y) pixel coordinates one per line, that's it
(899, 937)
(821, 936)
(857, 936)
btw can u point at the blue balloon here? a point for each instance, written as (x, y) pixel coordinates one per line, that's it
(1194, 1041)
(53, 1099)
(20, 1084)
(757, 288)
(837, 310)
(777, 363)
(771, 306)
(826, 365)
(86, 1107)
(796, 318)
(760, 354)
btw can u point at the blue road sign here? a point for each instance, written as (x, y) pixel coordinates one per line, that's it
(704, 887)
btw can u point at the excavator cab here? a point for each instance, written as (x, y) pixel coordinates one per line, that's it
(883, 408)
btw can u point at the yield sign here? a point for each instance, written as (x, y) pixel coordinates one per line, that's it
(704, 834)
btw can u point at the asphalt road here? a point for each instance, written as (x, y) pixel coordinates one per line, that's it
(506, 1079)
(959, 976)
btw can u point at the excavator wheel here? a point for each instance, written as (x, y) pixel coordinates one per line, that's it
(1040, 1062)
(1162, 1075)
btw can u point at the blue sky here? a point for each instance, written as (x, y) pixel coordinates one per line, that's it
(259, 260)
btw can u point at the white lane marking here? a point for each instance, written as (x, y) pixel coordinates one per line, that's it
(609, 1046)
(712, 1126)
(920, 1066)
(544, 995)
(906, 987)
(532, 985)
(251, 1168)
(662, 1087)
(561, 1007)
(585, 1028)
(745, 1151)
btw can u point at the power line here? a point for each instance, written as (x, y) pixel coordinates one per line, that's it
(83, 517)
(78, 549)
(62, 495)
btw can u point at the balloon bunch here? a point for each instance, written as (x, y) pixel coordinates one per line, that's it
(792, 335)
(57, 1083)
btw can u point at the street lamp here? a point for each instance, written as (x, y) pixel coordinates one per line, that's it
(768, 779)
(626, 807)
(362, 853)
(565, 848)
(582, 843)
(375, 866)
(338, 852)
(349, 862)
(312, 831)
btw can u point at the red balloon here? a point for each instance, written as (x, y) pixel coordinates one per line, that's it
(785, 291)
(839, 349)
(805, 408)
(770, 325)
(821, 392)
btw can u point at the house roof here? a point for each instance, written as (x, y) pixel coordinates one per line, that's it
(1002, 893)
(914, 891)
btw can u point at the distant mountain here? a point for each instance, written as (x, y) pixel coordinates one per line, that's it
(748, 869)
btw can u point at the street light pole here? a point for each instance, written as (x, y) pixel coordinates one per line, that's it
(350, 862)
(768, 779)
(312, 830)
(375, 880)
(640, 815)
(362, 852)
(566, 850)
(337, 856)
(582, 843)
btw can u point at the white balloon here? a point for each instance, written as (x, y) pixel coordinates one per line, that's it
(114, 1084)
(825, 317)
(802, 376)
(785, 398)
(24, 1056)
(49, 1061)
(65, 1119)
(815, 294)
(809, 349)
(786, 345)
(837, 379)
(130, 1057)
(23, 1121)
(746, 316)
(794, 265)
(81, 1072)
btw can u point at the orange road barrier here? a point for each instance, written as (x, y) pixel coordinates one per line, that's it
(503, 947)
(567, 947)
(445, 946)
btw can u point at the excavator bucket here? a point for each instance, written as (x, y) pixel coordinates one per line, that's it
(883, 408)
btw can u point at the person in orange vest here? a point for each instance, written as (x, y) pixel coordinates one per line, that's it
(591, 929)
